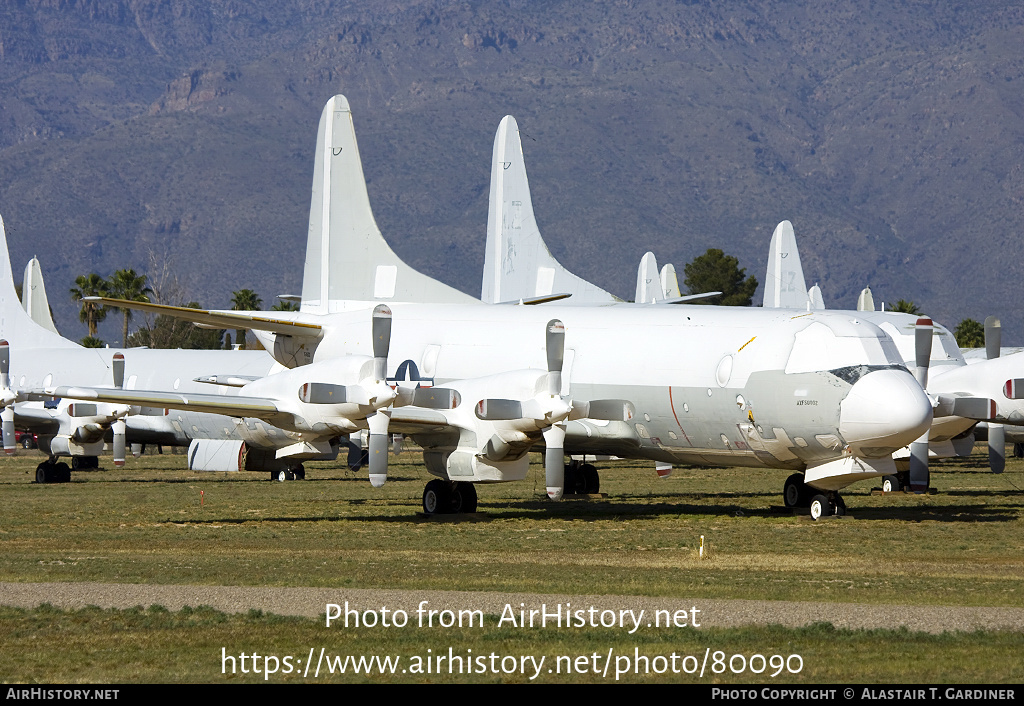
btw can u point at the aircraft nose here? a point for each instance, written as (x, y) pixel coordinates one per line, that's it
(884, 411)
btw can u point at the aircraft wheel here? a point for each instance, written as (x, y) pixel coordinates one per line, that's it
(574, 483)
(43, 471)
(890, 484)
(436, 497)
(26, 442)
(840, 505)
(299, 472)
(591, 479)
(794, 493)
(1018, 450)
(280, 476)
(820, 507)
(62, 472)
(463, 498)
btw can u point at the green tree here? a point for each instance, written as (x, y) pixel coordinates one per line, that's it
(244, 300)
(907, 307)
(92, 313)
(172, 332)
(128, 285)
(285, 306)
(714, 271)
(92, 342)
(970, 334)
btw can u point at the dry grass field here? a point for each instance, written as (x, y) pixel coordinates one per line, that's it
(154, 523)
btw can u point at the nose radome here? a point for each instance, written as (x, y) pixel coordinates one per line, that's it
(884, 411)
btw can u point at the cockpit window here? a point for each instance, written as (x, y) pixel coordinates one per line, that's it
(853, 373)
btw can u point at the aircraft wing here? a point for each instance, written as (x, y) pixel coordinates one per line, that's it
(218, 319)
(230, 405)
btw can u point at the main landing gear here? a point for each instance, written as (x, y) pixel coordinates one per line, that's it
(442, 497)
(796, 494)
(297, 473)
(581, 479)
(51, 471)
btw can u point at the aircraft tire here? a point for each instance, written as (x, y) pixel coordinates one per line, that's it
(62, 472)
(890, 484)
(794, 493)
(463, 498)
(43, 472)
(1018, 450)
(299, 472)
(839, 504)
(574, 481)
(820, 507)
(437, 497)
(26, 442)
(280, 476)
(591, 479)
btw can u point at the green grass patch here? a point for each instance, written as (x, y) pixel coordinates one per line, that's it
(155, 645)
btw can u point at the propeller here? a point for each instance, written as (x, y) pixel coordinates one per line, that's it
(550, 411)
(919, 478)
(996, 432)
(7, 398)
(119, 426)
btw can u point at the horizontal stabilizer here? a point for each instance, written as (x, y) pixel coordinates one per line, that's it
(539, 300)
(218, 319)
(687, 298)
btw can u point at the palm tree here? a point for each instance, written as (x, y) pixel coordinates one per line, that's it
(126, 284)
(244, 300)
(92, 313)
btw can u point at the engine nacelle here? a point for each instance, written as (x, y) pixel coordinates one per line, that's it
(467, 466)
(64, 445)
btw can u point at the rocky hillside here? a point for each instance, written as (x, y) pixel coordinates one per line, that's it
(181, 134)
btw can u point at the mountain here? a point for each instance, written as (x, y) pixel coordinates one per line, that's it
(177, 138)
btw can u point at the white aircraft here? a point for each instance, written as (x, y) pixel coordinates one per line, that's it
(816, 392)
(963, 394)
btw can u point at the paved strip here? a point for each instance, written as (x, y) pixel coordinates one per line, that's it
(311, 602)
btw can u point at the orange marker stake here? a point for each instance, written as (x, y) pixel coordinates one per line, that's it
(200, 498)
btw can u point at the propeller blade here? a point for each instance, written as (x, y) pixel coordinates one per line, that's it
(554, 461)
(436, 398)
(118, 370)
(323, 393)
(919, 477)
(980, 408)
(996, 448)
(555, 347)
(7, 423)
(923, 349)
(379, 446)
(499, 410)
(83, 409)
(119, 427)
(993, 337)
(1014, 389)
(608, 410)
(381, 340)
(5, 365)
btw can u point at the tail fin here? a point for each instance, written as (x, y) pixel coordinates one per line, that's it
(517, 262)
(33, 296)
(865, 302)
(15, 325)
(347, 258)
(669, 282)
(648, 282)
(784, 286)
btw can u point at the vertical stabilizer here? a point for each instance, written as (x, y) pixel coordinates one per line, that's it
(669, 282)
(814, 299)
(33, 296)
(15, 325)
(517, 262)
(865, 302)
(347, 258)
(648, 282)
(784, 286)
